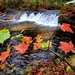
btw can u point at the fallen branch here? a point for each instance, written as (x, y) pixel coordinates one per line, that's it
(62, 59)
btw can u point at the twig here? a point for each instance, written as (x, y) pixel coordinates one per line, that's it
(62, 59)
(55, 52)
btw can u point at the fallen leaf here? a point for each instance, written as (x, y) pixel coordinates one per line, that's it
(49, 44)
(68, 69)
(2, 66)
(13, 69)
(4, 34)
(38, 38)
(66, 27)
(66, 47)
(8, 48)
(22, 71)
(29, 68)
(40, 73)
(36, 45)
(22, 48)
(3, 56)
(44, 45)
(26, 40)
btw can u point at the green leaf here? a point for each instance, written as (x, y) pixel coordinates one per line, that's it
(19, 35)
(22, 71)
(29, 68)
(4, 34)
(68, 69)
(44, 45)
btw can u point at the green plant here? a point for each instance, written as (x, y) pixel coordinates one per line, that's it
(70, 2)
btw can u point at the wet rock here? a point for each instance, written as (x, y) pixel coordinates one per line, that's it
(10, 17)
(67, 15)
(18, 15)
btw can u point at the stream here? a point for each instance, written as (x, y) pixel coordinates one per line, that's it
(38, 22)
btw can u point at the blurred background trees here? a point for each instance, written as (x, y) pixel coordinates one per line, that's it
(26, 4)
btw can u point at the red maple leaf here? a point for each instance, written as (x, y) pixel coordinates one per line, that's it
(66, 27)
(3, 56)
(22, 48)
(66, 47)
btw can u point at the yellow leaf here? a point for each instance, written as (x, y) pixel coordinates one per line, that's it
(8, 48)
(49, 43)
(13, 69)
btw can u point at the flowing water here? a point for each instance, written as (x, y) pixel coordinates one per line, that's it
(44, 18)
(42, 21)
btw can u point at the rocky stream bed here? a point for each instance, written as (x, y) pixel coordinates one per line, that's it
(39, 62)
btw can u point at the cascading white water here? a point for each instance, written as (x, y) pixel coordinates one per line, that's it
(47, 18)
(44, 18)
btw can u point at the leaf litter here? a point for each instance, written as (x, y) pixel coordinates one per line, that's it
(32, 57)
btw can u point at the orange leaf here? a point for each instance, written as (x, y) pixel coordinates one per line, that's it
(26, 40)
(37, 46)
(2, 66)
(38, 38)
(66, 27)
(3, 56)
(40, 73)
(22, 48)
(66, 47)
(37, 43)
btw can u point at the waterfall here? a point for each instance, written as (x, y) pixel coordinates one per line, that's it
(43, 18)
(46, 18)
